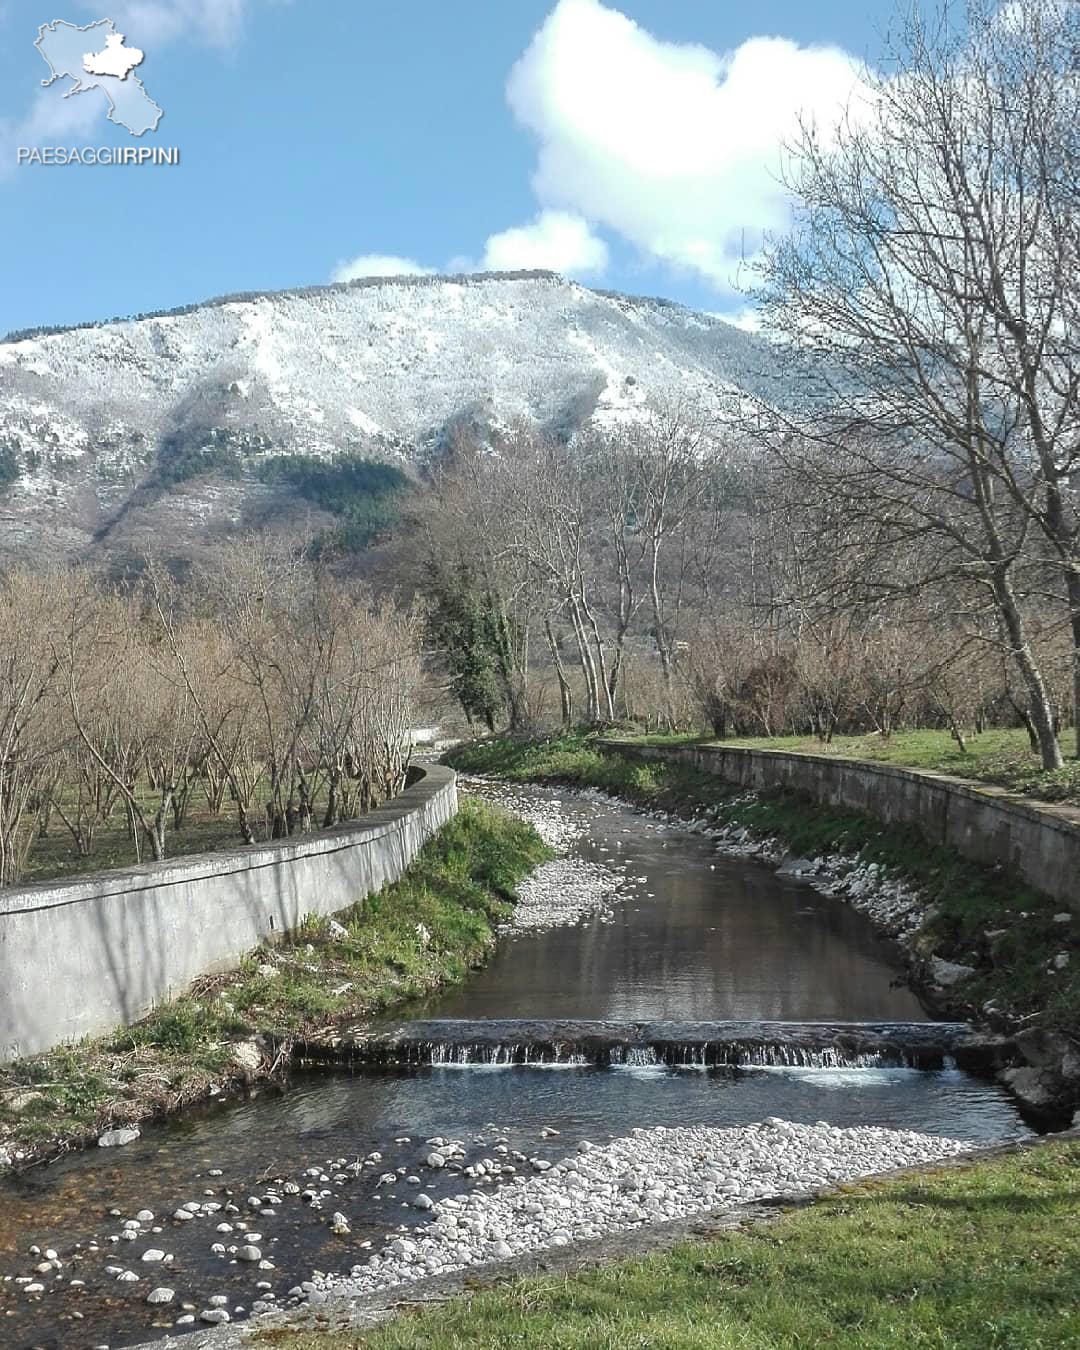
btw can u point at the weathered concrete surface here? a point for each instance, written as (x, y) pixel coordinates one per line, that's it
(81, 957)
(520, 1041)
(1040, 843)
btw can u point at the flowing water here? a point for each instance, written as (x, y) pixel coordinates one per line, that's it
(691, 935)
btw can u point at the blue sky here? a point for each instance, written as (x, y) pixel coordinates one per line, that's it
(632, 143)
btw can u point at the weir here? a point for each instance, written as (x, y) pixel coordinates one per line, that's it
(919, 1045)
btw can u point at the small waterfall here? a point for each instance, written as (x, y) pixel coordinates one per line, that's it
(795, 1057)
(707, 1055)
(639, 1055)
(447, 1053)
(733, 1045)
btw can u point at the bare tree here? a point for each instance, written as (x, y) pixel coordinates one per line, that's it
(911, 444)
(29, 679)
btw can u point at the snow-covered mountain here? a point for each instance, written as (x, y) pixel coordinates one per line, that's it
(158, 424)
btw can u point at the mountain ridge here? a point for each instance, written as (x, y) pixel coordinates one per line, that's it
(160, 422)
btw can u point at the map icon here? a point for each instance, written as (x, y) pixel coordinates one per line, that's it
(96, 58)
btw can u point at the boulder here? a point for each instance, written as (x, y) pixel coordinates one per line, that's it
(247, 1056)
(1042, 1049)
(118, 1138)
(946, 974)
(1038, 1088)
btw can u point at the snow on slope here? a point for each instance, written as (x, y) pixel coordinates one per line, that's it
(380, 369)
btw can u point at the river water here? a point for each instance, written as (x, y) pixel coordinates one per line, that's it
(687, 934)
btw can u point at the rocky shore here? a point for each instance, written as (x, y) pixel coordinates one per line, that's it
(562, 891)
(496, 1203)
(649, 1176)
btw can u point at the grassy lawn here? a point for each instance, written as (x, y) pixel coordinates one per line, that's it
(981, 917)
(1001, 757)
(983, 1258)
(426, 930)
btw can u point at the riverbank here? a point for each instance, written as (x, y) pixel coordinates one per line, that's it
(235, 1030)
(978, 944)
(978, 1255)
(332, 1182)
(1002, 757)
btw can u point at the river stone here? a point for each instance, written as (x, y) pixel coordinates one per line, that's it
(214, 1316)
(1042, 1049)
(153, 1254)
(161, 1295)
(945, 974)
(249, 1253)
(247, 1055)
(1037, 1087)
(118, 1138)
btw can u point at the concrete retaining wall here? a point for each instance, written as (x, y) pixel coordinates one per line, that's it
(81, 957)
(1041, 844)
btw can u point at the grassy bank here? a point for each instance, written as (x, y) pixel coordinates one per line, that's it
(1001, 757)
(983, 1258)
(424, 931)
(977, 916)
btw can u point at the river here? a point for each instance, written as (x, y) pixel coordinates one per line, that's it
(681, 932)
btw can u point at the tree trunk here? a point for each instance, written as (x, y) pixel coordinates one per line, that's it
(566, 693)
(1040, 710)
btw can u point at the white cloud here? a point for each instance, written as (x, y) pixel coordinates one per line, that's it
(216, 23)
(556, 240)
(52, 120)
(379, 265)
(747, 318)
(676, 147)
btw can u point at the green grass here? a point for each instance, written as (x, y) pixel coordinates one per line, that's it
(574, 760)
(1014, 969)
(1002, 757)
(983, 1258)
(428, 929)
